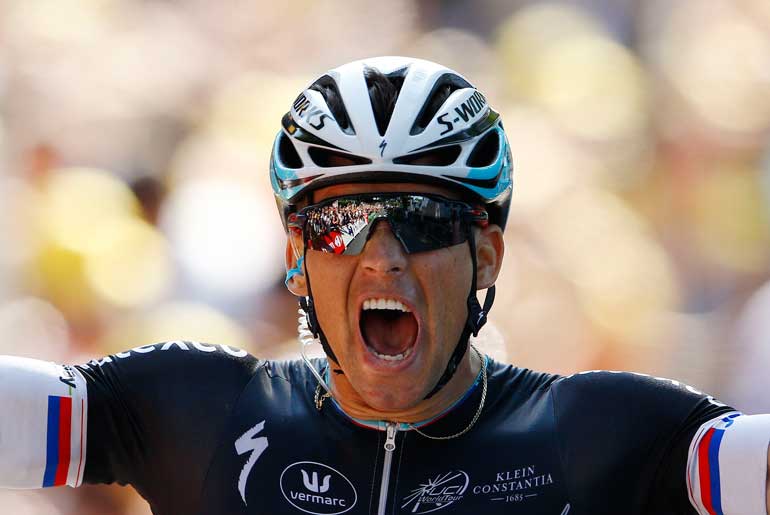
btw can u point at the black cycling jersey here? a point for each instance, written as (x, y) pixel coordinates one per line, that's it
(201, 429)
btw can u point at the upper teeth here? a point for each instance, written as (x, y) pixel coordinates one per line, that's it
(384, 304)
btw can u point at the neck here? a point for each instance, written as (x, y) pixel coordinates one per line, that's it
(354, 406)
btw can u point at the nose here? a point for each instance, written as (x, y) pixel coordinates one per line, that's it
(383, 253)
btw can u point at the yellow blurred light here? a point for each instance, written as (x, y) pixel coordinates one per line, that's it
(131, 266)
(592, 86)
(718, 59)
(562, 60)
(236, 138)
(622, 276)
(78, 201)
(177, 321)
(61, 276)
(732, 220)
(532, 29)
(251, 105)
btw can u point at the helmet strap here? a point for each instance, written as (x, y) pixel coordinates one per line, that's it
(477, 317)
(307, 305)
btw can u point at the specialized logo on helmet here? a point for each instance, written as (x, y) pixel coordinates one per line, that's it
(317, 488)
(438, 493)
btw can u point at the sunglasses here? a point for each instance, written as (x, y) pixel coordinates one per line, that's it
(343, 225)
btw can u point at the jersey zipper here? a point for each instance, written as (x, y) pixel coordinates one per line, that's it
(390, 446)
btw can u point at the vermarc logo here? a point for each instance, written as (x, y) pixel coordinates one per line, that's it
(317, 488)
(312, 485)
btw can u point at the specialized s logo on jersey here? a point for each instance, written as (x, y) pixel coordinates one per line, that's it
(250, 443)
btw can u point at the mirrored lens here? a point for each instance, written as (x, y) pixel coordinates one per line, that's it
(420, 223)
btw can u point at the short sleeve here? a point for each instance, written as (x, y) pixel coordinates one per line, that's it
(155, 414)
(633, 432)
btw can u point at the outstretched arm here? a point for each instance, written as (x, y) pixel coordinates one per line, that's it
(42, 424)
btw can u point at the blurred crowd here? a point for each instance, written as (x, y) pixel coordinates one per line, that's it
(135, 204)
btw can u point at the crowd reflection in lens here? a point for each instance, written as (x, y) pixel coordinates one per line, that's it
(335, 226)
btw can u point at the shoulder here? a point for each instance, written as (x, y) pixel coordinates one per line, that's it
(640, 396)
(177, 350)
(513, 388)
(177, 360)
(520, 379)
(614, 384)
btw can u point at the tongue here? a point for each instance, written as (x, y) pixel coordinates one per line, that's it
(388, 332)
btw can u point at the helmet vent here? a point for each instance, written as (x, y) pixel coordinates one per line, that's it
(326, 158)
(287, 154)
(486, 150)
(383, 93)
(443, 156)
(331, 93)
(444, 86)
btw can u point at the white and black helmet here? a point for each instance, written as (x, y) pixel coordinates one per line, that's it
(437, 129)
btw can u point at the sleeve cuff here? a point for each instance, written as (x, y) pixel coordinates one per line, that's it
(727, 465)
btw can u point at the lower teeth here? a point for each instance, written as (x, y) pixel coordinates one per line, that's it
(388, 357)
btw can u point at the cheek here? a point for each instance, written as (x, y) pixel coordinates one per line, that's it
(447, 281)
(330, 281)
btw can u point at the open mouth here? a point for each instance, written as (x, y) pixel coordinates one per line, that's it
(389, 329)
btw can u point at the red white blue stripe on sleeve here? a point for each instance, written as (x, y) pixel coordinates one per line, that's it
(727, 465)
(61, 467)
(43, 437)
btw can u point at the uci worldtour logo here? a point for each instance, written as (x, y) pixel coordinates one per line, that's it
(437, 493)
(317, 488)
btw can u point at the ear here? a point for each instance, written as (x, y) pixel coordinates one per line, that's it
(296, 284)
(490, 248)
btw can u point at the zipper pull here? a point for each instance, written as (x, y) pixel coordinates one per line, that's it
(390, 437)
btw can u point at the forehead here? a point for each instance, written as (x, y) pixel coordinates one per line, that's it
(405, 187)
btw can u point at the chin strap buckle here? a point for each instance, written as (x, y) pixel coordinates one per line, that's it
(478, 315)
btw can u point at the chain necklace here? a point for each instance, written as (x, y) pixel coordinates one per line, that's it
(321, 396)
(478, 411)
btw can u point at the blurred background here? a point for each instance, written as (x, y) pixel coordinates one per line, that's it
(135, 205)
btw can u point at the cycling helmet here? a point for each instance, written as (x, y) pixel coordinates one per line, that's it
(434, 128)
(334, 135)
